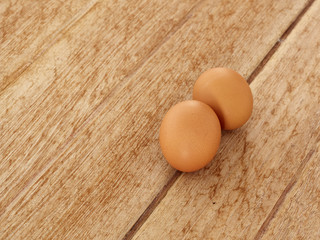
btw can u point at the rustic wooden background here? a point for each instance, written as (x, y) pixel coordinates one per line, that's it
(84, 86)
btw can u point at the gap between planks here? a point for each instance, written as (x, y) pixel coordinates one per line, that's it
(275, 47)
(283, 195)
(101, 105)
(163, 192)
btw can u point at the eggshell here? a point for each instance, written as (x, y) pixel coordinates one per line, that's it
(229, 95)
(190, 135)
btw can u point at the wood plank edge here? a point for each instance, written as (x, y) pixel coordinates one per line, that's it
(105, 100)
(156, 201)
(152, 206)
(282, 197)
(275, 47)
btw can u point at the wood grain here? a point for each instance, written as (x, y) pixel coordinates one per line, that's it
(299, 215)
(44, 109)
(254, 168)
(29, 28)
(79, 130)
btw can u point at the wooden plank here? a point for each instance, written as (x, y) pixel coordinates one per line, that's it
(43, 110)
(233, 197)
(299, 215)
(28, 28)
(112, 168)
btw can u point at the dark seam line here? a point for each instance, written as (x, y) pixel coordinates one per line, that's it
(162, 193)
(283, 196)
(99, 107)
(275, 47)
(152, 206)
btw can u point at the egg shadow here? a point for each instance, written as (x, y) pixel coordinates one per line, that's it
(231, 161)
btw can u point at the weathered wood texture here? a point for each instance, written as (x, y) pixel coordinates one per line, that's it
(299, 215)
(238, 195)
(79, 126)
(58, 93)
(28, 28)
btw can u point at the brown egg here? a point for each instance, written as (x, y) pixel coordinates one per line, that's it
(190, 135)
(229, 95)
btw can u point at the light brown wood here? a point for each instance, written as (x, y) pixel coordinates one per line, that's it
(79, 126)
(50, 102)
(257, 164)
(28, 28)
(299, 215)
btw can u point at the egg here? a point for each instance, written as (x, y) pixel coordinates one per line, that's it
(190, 135)
(227, 93)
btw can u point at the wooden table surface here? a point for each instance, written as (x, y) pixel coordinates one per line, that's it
(84, 86)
